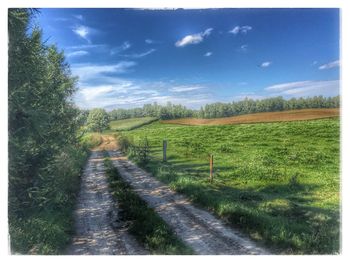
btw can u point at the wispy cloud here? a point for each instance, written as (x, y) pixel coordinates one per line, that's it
(139, 55)
(240, 29)
(83, 32)
(100, 73)
(79, 17)
(208, 54)
(243, 48)
(149, 41)
(193, 39)
(185, 88)
(130, 94)
(305, 88)
(89, 46)
(265, 64)
(125, 46)
(77, 53)
(329, 65)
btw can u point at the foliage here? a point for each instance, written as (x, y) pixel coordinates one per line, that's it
(145, 224)
(277, 181)
(45, 157)
(97, 120)
(91, 140)
(218, 110)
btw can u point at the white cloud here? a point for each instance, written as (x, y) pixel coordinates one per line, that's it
(193, 39)
(89, 72)
(240, 29)
(83, 32)
(89, 46)
(113, 92)
(305, 88)
(126, 45)
(149, 41)
(128, 94)
(265, 64)
(77, 53)
(140, 55)
(208, 54)
(185, 88)
(244, 48)
(235, 30)
(329, 65)
(79, 17)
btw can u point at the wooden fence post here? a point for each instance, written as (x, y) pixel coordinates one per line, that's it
(211, 163)
(164, 150)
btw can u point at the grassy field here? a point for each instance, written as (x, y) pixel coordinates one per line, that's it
(292, 115)
(130, 124)
(279, 181)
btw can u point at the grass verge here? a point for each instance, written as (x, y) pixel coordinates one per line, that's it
(46, 226)
(145, 224)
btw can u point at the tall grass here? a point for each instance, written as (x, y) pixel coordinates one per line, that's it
(47, 226)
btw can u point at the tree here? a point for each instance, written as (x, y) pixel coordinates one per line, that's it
(98, 120)
(43, 125)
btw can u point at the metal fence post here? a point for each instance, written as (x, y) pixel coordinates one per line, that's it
(164, 150)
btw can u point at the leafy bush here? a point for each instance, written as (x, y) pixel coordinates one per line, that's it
(97, 120)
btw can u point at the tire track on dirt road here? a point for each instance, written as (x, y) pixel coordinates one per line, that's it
(200, 230)
(96, 214)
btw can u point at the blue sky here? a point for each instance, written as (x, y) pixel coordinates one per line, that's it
(125, 58)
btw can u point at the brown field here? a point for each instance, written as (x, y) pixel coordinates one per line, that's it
(293, 115)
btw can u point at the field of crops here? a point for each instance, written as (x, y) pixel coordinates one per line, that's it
(279, 181)
(278, 116)
(130, 124)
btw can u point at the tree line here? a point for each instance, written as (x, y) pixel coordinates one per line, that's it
(219, 109)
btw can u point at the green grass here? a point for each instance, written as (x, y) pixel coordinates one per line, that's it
(130, 124)
(279, 182)
(145, 224)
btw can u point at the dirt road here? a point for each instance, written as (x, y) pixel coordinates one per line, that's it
(96, 214)
(197, 228)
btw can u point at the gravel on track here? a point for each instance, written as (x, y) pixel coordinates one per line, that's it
(96, 215)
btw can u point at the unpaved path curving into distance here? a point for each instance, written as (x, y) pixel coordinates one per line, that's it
(199, 229)
(96, 214)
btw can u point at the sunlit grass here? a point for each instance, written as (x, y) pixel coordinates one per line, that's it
(277, 181)
(129, 124)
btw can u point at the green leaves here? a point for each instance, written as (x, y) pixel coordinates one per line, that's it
(44, 156)
(97, 120)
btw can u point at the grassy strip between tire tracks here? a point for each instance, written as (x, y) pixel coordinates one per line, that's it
(148, 228)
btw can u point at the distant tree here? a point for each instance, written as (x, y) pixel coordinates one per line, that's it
(97, 120)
